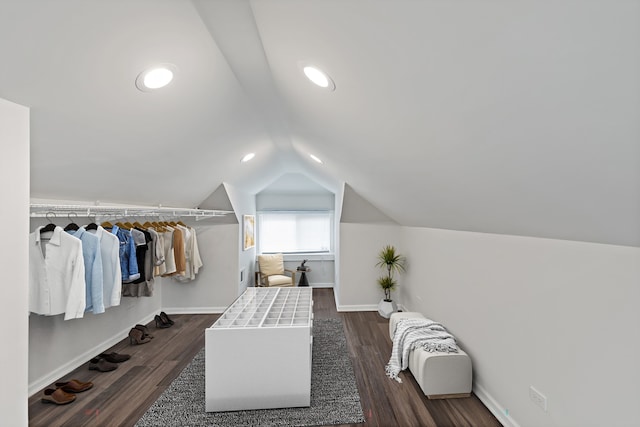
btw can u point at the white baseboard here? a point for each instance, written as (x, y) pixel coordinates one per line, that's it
(496, 409)
(53, 376)
(194, 310)
(364, 307)
(321, 285)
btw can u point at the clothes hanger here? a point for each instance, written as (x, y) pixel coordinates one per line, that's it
(128, 224)
(49, 227)
(72, 226)
(92, 225)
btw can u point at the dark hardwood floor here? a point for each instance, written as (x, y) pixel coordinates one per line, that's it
(121, 397)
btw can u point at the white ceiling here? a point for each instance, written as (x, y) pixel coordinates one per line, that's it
(490, 115)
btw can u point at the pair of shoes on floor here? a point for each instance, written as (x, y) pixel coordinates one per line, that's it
(163, 321)
(102, 365)
(145, 331)
(64, 393)
(138, 336)
(74, 386)
(114, 357)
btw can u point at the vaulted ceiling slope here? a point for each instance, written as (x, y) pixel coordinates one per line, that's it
(493, 116)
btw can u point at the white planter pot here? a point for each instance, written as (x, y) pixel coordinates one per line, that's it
(385, 308)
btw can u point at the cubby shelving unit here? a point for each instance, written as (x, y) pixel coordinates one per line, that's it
(258, 352)
(268, 308)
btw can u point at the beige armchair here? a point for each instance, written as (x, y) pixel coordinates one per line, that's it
(272, 272)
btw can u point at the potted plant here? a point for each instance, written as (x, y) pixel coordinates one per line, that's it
(392, 262)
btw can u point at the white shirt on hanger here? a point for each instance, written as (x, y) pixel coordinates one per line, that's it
(56, 275)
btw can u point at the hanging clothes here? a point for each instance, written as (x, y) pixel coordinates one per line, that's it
(140, 242)
(142, 287)
(160, 267)
(56, 274)
(157, 248)
(179, 251)
(169, 255)
(128, 261)
(192, 255)
(111, 272)
(92, 270)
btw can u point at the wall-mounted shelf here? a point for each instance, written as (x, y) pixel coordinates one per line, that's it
(42, 210)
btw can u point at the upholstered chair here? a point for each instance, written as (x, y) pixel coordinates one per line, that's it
(272, 271)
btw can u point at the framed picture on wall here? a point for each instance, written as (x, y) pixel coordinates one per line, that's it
(249, 227)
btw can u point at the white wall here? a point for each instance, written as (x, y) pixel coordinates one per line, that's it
(359, 247)
(14, 261)
(275, 201)
(243, 204)
(322, 273)
(216, 284)
(561, 316)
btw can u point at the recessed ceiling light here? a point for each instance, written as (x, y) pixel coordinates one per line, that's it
(319, 77)
(155, 77)
(315, 158)
(248, 157)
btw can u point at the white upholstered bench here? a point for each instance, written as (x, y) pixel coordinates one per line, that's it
(440, 375)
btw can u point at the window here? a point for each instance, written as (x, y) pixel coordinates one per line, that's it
(294, 232)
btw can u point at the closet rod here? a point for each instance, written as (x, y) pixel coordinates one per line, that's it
(42, 210)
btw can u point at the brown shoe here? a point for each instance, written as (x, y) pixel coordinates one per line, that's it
(101, 365)
(145, 330)
(136, 336)
(57, 396)
(74, 386)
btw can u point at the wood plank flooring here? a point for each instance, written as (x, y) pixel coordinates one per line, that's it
(121, 397)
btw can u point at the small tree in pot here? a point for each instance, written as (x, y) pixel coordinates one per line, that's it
(392, 262)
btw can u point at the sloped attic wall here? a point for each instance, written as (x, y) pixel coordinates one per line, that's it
(534, 312)
(529, 311)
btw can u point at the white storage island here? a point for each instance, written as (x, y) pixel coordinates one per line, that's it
(258, 353)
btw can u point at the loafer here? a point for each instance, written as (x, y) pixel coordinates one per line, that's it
(115, 357)
(57, 396)
(74, 386)
(99, 364)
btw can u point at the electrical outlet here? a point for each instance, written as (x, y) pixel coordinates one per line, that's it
(538, 398)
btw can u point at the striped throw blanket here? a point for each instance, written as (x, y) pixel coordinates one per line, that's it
(413, 333)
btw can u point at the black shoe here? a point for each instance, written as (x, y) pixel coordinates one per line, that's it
(115, 357)
(99, 364)
(165, 318)
(160, 323)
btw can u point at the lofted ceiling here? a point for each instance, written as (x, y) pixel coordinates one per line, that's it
(493, 116)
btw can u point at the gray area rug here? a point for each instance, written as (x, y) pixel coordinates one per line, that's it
(334, 394)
